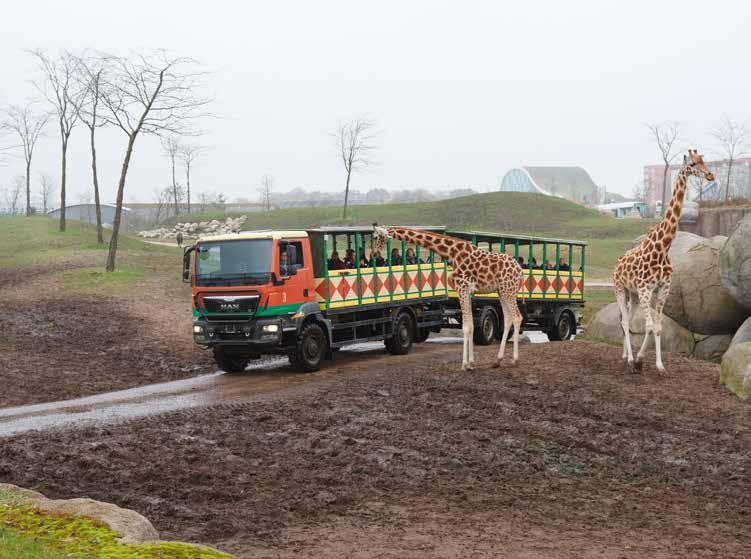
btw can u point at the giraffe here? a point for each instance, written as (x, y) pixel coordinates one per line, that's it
(474, 270)
(645, 270)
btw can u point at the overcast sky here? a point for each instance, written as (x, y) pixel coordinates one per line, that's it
(461, 91)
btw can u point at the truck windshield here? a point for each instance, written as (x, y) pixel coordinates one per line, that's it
(241, 262)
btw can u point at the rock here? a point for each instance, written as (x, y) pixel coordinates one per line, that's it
(711, 348)
(133, 527)
(697, 299)
(735, 263)
(735, 372)
(606, 325)
(689, 213)
(743, 334)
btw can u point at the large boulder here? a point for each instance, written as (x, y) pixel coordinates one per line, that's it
(711, 348)
(606, 325)
(735, 263)
(735, 372)
(697, 299)
(743, 334)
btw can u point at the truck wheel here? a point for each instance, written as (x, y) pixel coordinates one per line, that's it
(229, 363)
(310, 349)
(564, 329)
(403, 335)
(421, 334)
(486, 329)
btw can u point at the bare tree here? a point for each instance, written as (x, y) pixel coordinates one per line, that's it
(148, 94)
(172, 148)
(667, 135)
(59, 87)
(204, 199)
(162, 199)
(27, 126)
(45, 190)
(354, 144)
(13, 194)
(89, 75)
(189, 153)
(732, 137)
(265, 191)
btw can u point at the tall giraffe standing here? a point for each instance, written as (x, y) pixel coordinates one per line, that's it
(474, 270)
(645, 270)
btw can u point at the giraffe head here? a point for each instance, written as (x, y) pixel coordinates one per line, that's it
(696, 166)
(380, 237)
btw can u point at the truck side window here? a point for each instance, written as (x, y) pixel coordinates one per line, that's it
(295, 260)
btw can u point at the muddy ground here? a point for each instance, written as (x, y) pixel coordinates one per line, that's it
(566, 455)
(58, 347)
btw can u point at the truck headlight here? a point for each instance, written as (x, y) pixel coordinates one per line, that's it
(197, 329)
(271, 328)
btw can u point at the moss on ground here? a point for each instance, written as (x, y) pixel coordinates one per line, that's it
(27, 532)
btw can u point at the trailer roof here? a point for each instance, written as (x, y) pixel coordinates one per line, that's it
(485, 236)
(369, 228)
(270, 234)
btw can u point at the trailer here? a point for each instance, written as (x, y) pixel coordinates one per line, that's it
(291, 293)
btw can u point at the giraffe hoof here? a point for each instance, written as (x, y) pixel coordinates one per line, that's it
(637, 366)
(497, 363)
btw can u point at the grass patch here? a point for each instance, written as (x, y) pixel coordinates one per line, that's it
(26, 532)
(98, 279)
(597, 299)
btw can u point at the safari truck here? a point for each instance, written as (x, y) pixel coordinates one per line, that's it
(292, 293)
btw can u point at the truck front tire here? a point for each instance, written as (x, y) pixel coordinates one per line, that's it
(310, 349)
(229, 363)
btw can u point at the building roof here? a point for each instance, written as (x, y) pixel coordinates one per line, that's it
(573, 183)
(101, 204)
(563, 181)
(619, 205)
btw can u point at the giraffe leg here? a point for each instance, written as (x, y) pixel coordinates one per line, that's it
(467, 329)
(626, 340)
(645, 302)
(517, 318)
(620, 295)
(662, 296)
(507, 316)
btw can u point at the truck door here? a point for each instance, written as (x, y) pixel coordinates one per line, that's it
(295, 268)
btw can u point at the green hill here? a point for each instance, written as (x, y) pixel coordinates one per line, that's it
(510, 212)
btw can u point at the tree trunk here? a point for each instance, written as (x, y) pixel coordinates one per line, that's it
(62, 183)
(665, 193)
(346, 195)
(28, 187)
(174, 187)
(99, 235)
(119, 205)
(727, 181)
(187, 184)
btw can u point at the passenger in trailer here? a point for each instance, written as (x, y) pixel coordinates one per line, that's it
(411, 258)
(563, 266)
(375, 256)
(349, 258)
(364, 262)
(520, 259)
(396, 258)
(335, 263)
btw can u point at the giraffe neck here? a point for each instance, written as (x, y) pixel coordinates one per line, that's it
(426, 239)
(669, 224)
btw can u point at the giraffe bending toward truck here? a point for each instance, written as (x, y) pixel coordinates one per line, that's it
(474, 270)
(645, 270)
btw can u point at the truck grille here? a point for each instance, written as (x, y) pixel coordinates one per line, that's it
(230, 307)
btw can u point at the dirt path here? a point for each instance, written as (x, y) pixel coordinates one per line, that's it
(269, 375)
(566, 455)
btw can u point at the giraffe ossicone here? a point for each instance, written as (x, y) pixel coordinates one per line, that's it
(474, 270)
(644, 271)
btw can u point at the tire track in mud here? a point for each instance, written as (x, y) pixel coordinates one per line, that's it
(271, 379)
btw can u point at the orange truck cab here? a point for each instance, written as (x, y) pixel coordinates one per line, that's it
(305, 294)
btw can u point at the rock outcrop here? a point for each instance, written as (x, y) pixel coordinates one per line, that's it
(735, 263)
(195, 229)
(735, 372)
(698, 300)
(743, 334)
